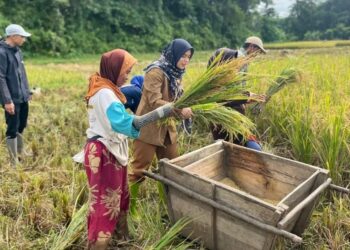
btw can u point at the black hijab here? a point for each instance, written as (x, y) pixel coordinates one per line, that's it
(171, 54)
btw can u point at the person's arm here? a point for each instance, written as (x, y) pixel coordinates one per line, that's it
(124, 123)
(109, 107)
(4, 91)
(121, 121)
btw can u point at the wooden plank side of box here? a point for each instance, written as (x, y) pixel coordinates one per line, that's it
(200, 214)
(186, 179)
(236, 234)
(296, 196)
(264, 175)
(209, 166)
(300, 192)
(304, 219)
(279, 165)
(196, 155)
(246, 204)
(180, 205)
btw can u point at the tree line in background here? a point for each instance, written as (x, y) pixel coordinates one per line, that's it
(319, 20)
(92, 26)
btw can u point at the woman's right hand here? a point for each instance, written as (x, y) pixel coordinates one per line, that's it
(186, 113)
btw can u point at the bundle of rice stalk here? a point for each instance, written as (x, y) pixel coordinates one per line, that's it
(213, 114)
(219, 83)
(73, 232)
(287, 75)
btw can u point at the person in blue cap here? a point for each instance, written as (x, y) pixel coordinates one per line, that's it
(133, 93)
(14, 89)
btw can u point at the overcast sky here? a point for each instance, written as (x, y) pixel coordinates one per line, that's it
(283, 7)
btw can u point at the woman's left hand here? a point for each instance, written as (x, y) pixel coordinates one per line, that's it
(186, 113)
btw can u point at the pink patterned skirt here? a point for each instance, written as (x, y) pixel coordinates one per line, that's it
(108, 191)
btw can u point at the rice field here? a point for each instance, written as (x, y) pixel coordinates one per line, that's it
(307, 121)
(308, 44)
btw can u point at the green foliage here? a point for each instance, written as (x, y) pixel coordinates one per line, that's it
(62, 27)
(270, 26)
(319, 20)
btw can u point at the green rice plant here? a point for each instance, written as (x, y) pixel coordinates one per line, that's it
(73, 231)
(200, 136)
(153, 230)
(331, 222)
(331, 146)
(49, 77)
(287, 75)
(300, 136)
(165, 242)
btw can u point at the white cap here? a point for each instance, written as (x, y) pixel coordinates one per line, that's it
(15, 29)
(256, 41)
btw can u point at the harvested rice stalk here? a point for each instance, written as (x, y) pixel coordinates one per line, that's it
(288, 75)
(219, 83)
(233, 122)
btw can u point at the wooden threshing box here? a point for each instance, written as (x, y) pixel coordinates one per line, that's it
(222, 180)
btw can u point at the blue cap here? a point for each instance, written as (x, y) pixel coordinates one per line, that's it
(15, 29)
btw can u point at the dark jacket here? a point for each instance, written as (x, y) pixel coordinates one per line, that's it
(133, 93)
(13, 78)
(133, 97)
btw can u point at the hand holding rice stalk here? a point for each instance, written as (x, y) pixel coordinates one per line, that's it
(288, 75)
(219, 84)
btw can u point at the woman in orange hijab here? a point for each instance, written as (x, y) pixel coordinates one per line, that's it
(106, 150)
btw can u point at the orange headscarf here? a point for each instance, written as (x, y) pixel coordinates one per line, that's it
(113, 64)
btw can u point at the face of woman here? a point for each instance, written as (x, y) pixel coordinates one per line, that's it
(184, 60)
(123, 78)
